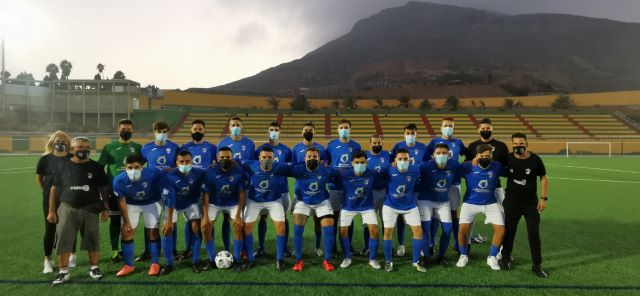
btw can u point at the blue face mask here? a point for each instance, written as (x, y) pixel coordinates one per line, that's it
(410, 139)
(402, 166)
(274, 136)
(344, 133)
(447, 131)
(162, 137)
(235, 130)
(441, 159)
(185, 169)
(359, 168)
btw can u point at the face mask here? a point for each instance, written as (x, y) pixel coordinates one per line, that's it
(484, 162)
(376, 149)
(308, 136)
(402, 166)
(312, 164)
(266, 164)
(274, 136)
(410, 139)
(485, 134)
(235, 131)
(125, 135)
(359, 168)
(161, 137)
(441, 159)
(185, 169)
(134, 175)
(60, 147)
(344, 133)
(226, 163)
(447, 131)
(520, 150)
(197, 136)
(82, 154)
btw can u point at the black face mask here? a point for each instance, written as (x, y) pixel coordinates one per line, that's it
(308, 136)
(82, 154)
(60, 147)
(484, 162)
(376, 149)
(485, 135)
(520, 150)
(125, 135)
(197, 136)
(312, 164)
(226, 163)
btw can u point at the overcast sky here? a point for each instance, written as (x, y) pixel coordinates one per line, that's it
(203, 43)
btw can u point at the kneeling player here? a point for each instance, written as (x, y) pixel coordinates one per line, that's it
(481, 180)
(183, 188)
(138, 193)
(223, 193)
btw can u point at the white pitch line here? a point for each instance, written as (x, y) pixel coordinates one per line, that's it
(592, 168)
(595, 180)
(14, 169)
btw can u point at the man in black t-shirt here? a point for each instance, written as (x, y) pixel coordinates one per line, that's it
(523, 170)
(82, 183)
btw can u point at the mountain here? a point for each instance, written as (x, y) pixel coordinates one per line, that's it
(425, 49)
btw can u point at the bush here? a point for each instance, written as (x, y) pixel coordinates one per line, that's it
(452, 103)
(425, 104)
(563, 101)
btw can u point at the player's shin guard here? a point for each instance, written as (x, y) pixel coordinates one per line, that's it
(226, 233)
(329, 240)
(455, 223)
(167, 248)
(188, 237)
(262, 232)
(211, 249)
(373, 248)
(280, 246)
(416, 245)
(346, 246)
(401, 227)
(435, 223)
(248, 246)
(494, 250)
(426, 237)
(444, 238)
(196, 241)
(298, 231)
(154, 249)
(366, 236)
(127, 252)
(387, 246)
(237, 249)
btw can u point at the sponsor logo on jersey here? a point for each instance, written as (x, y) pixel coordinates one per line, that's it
(80, 188)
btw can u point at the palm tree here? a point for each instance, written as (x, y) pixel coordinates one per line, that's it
(100, 68)
(119, 75)
(5, 75)
(66, 69)
(405, 101)
(53, 70)
(273, 102)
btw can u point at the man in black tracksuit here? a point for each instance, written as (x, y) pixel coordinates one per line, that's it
(523, 170)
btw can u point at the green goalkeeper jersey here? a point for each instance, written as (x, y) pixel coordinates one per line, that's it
(114, 154)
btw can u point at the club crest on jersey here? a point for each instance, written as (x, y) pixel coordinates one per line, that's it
(230, 178)
(313, 186)
(490, 174)
(264, 184)
(359, 191)
(89, 176)
(527, 171)
(483, 184)
(168, 150)
(448, 172)
(279, 152)
(132, 150)
(184, 190)
(225, 187)
(204, 150)
(442, 183)
(243, 147)
(144, 184)
(408, 178)
(350, 149)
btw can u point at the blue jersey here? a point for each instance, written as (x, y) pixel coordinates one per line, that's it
(311, 186)
(339, 154)
(224, 187)
(281, 153)
(417, 153)
(241, 150)
(203, 153)
(400, 188)
(300, 151)
(357, 189)
(264, 186)
(181, 190)
(456, 148)
(481, 183)
(378, 163)
(161, 157)
(142, 192)
(436, 182)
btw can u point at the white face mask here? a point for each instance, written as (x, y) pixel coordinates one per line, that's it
(410, 139)
(235, 130)
(161, 137)
(185, 169)
(274, 136)
(134, 175)
(403, 166)
(447, 131)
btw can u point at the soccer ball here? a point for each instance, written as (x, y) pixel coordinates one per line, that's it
(224, 259)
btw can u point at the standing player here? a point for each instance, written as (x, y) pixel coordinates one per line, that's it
(182, 190)
(113, 156)
(224, 189)
(417, 154)
(357, 185)
(378, 160)
(524, 168)
(298, 155)
(482, 180)
(203, 153)
(401, 200)
(242, 149)
(56, 152)
(281, 153)
(312, 181)
(456, 149)
(138, 192)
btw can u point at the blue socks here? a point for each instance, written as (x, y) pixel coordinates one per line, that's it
(464, 250)
(226, 232)
(154, 249)
(237, 249)
(262, 232)
(318, 238)
(329, 240)
(248, 245)
(127, 252)
(387, 245)
(346, 247)
(426, 232)
(445, 237)
(174, 239)
(416, 245)
(493, 251)
(211, 249)
(401, 227)
(167, 247)
(196, 241)
(373, 248)
(280, 246)
(298, 230)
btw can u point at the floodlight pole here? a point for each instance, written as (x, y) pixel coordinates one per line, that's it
(3, 82)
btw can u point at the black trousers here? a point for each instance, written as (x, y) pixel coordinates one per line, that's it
(49, 240)
(513, 210)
